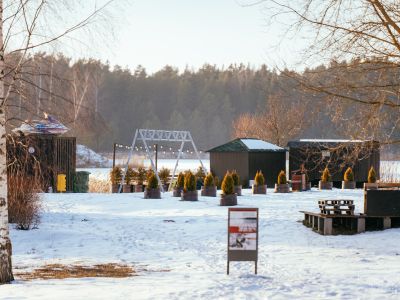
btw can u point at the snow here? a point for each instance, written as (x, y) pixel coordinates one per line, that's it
(330, 141)
(254, 144)
(86, 157)
(186, 259)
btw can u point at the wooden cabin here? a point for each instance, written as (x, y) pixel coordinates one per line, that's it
(43, 156)
(337, 155)
(247, 156)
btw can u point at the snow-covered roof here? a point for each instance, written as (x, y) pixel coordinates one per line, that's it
(330, 141)
(254, 144)
(247, 145)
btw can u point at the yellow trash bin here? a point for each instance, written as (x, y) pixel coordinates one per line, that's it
(61, 183)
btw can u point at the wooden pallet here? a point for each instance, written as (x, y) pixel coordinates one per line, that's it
(336, 207)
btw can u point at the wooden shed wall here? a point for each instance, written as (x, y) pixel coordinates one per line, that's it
(220, 162)
(53, 155)
(312, 159)
(270, 163)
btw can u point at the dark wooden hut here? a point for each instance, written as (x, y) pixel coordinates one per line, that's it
(42, 156)
(337, 155)
(247, 156)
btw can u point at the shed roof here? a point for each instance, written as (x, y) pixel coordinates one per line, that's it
(247, 145)
(326, 142)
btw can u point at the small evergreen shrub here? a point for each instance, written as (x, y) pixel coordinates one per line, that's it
(200, 174)
(326, 176)
(152, 182)
(140, 175)
(180, 181)
(164, 174)
(228, 184)
(217, 182)
(129, 176)
(371, 175)
(259, 178)
(282, 178)
(349, 175)
(116, 175)
(149, 172)
(190, 182)
(236, 178)
(209, 180)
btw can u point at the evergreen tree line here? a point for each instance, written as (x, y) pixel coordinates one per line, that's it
(103, 104)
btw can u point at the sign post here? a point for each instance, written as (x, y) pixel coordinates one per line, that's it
(242, 235)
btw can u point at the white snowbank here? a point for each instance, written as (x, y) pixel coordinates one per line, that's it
(186, 258)
(86, 157)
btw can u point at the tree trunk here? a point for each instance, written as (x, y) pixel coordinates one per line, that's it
(5, 243)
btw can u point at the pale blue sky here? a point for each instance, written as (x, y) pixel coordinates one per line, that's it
(154, 33)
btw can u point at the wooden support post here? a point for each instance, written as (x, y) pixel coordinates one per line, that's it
(387, 223)
(327, 226)
(114, 148)
(360, 225)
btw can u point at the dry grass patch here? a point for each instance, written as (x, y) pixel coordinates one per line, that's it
(59, 271)
(99, 186)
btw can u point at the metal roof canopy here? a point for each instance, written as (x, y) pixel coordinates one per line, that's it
(328, 142)
(147, 135)
(247, 145)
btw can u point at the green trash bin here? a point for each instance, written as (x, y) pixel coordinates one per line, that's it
(81, 182)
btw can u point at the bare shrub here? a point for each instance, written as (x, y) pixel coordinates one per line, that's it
(24, 202)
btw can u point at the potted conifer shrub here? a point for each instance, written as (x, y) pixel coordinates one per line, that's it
(217, 182)
(140, 177)
(209, 189)
(129, 176)
(282, 186)
(189, 192)
(178, 188)
(228, 195)
(259, 186)
(326, 180)
(236, 183)
(164, 174)
(200, 176)
(116, 179)
(348, 182)
(371, 184)
(152, 190)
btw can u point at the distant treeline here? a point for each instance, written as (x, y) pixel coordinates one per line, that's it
(103, 104)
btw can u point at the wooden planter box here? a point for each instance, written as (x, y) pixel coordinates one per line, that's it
(177, 192)
(152, 193)
(127, 188)
(348, 185)
(209, 191)
(238, 190)
(382, 202)
(189, 196)
(228, 200)
(325, 185)
(259, 189)
(282, 188)
(370, 186)
(115, 188)
(138, 188)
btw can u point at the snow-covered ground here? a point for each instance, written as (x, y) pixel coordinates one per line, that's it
(186, 258)
(86, 157)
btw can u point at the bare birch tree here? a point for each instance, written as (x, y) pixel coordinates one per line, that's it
(22, 31)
